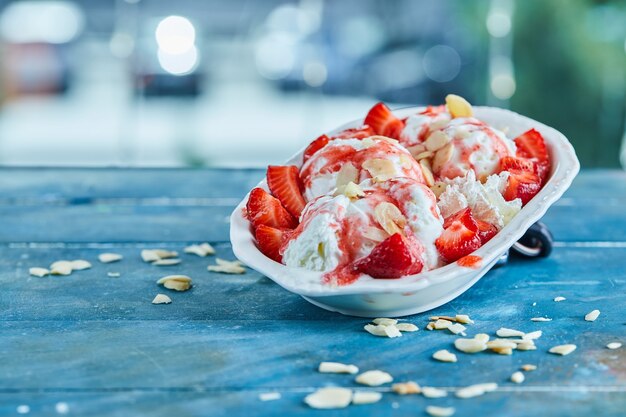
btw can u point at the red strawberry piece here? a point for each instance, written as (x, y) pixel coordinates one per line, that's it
(284, 183)
(509, 162)
(394, 257)
(522, 184)
(315, 146)
(460, 236)
(270, 240)
(531, 145)
(383, 122)
(264, 209)
(360, 133)
(486, 231)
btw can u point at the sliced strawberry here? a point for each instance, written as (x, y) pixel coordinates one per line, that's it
(460, 236)
(360, 133)
(264, 209)
(531, 145)
(486, 231)
(383, 122)
(522, 184)
(394, 257)
(509, 162)
(270, 240)
(284, 183)
(315, 146)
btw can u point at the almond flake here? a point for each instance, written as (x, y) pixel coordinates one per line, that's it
(176, 282)
(337, 368)
(375, 234)
(166, 262)
(406, 388)
(526, 345)
(562, 349)
(436, 411)
(151, 255)
(444, 356)
(161, 299)
(470, 345)
(80, 264)
(376, 330)
(424, 155)
(482, 337)
(435, 318)
(463, 319)
(432, 392)
(113, 274)
(380, 169)
(532, 335)
(374, 378)
(366, 397)
(268, 396)
(457, 328)
(202, 250)
(476, 390)
(504, 332)
(592, 316)
(458, 106)
(416, 150)
(385, 321)
(107, 258)
(528, 367)
(353, 191)
(442, 156)
(502, 350)
(437, 140)
(540, 319)
(558, 299)
(39, 272)
(614, 345)
(427, 172)
(227, 267)
(390, 218)
(442, 324)
(517, 377)
(61, 268)
(331, 397)
(430, 326)
(438, 188)
(501, 343)
(407, 327)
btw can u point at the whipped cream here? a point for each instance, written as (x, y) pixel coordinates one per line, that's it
(418, 126)
(485, 200)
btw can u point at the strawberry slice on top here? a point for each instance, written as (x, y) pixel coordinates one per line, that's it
(285, 184)
(315, 146)
(263, 209)
(531, 145)
(354, 133)
(270, 240)
(508, 163)
(460, 236)
(383, 122)
(394, 257)
(522, 184)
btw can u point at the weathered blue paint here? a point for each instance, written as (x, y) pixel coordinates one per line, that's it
(99, 345)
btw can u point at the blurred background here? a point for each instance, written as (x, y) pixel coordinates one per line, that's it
(249, 82)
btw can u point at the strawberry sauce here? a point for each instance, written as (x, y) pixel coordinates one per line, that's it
(470, 261)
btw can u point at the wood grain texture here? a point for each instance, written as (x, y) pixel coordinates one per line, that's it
(97, 344)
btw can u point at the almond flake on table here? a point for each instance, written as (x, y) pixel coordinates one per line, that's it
(563, 349)
(337, 368)
(444, 356)
(202, 250)
(463, 319)
(167, 262)
(614, 345)
(113, 274)
(374, 378)
(540, 319)
(385, 321)
(380, 330)
(161, 299)
(592, 316)
(61, 268)
(470, 345)
(559, 299)
(442, 324)
(476, 390)
(532, 335)
(526, 345)
(407, 327)
(39, 272)
(432, 392)
(501, 344)
(504, 332)
(80, 264)
(269, 396)
(517, 377)
(436, 411)
(151, 255)
(175, 282)
(457, 328)
(366, 397)
(528, 367)
(330, 397)
(227, 267)
(107, 258)
(483, 337)
(406, 388)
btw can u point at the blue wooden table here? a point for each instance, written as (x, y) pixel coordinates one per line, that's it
(89, 344)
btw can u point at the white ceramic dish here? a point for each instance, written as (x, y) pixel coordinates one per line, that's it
(370, 297)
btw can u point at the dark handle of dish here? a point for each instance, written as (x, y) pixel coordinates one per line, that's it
(537, 242)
